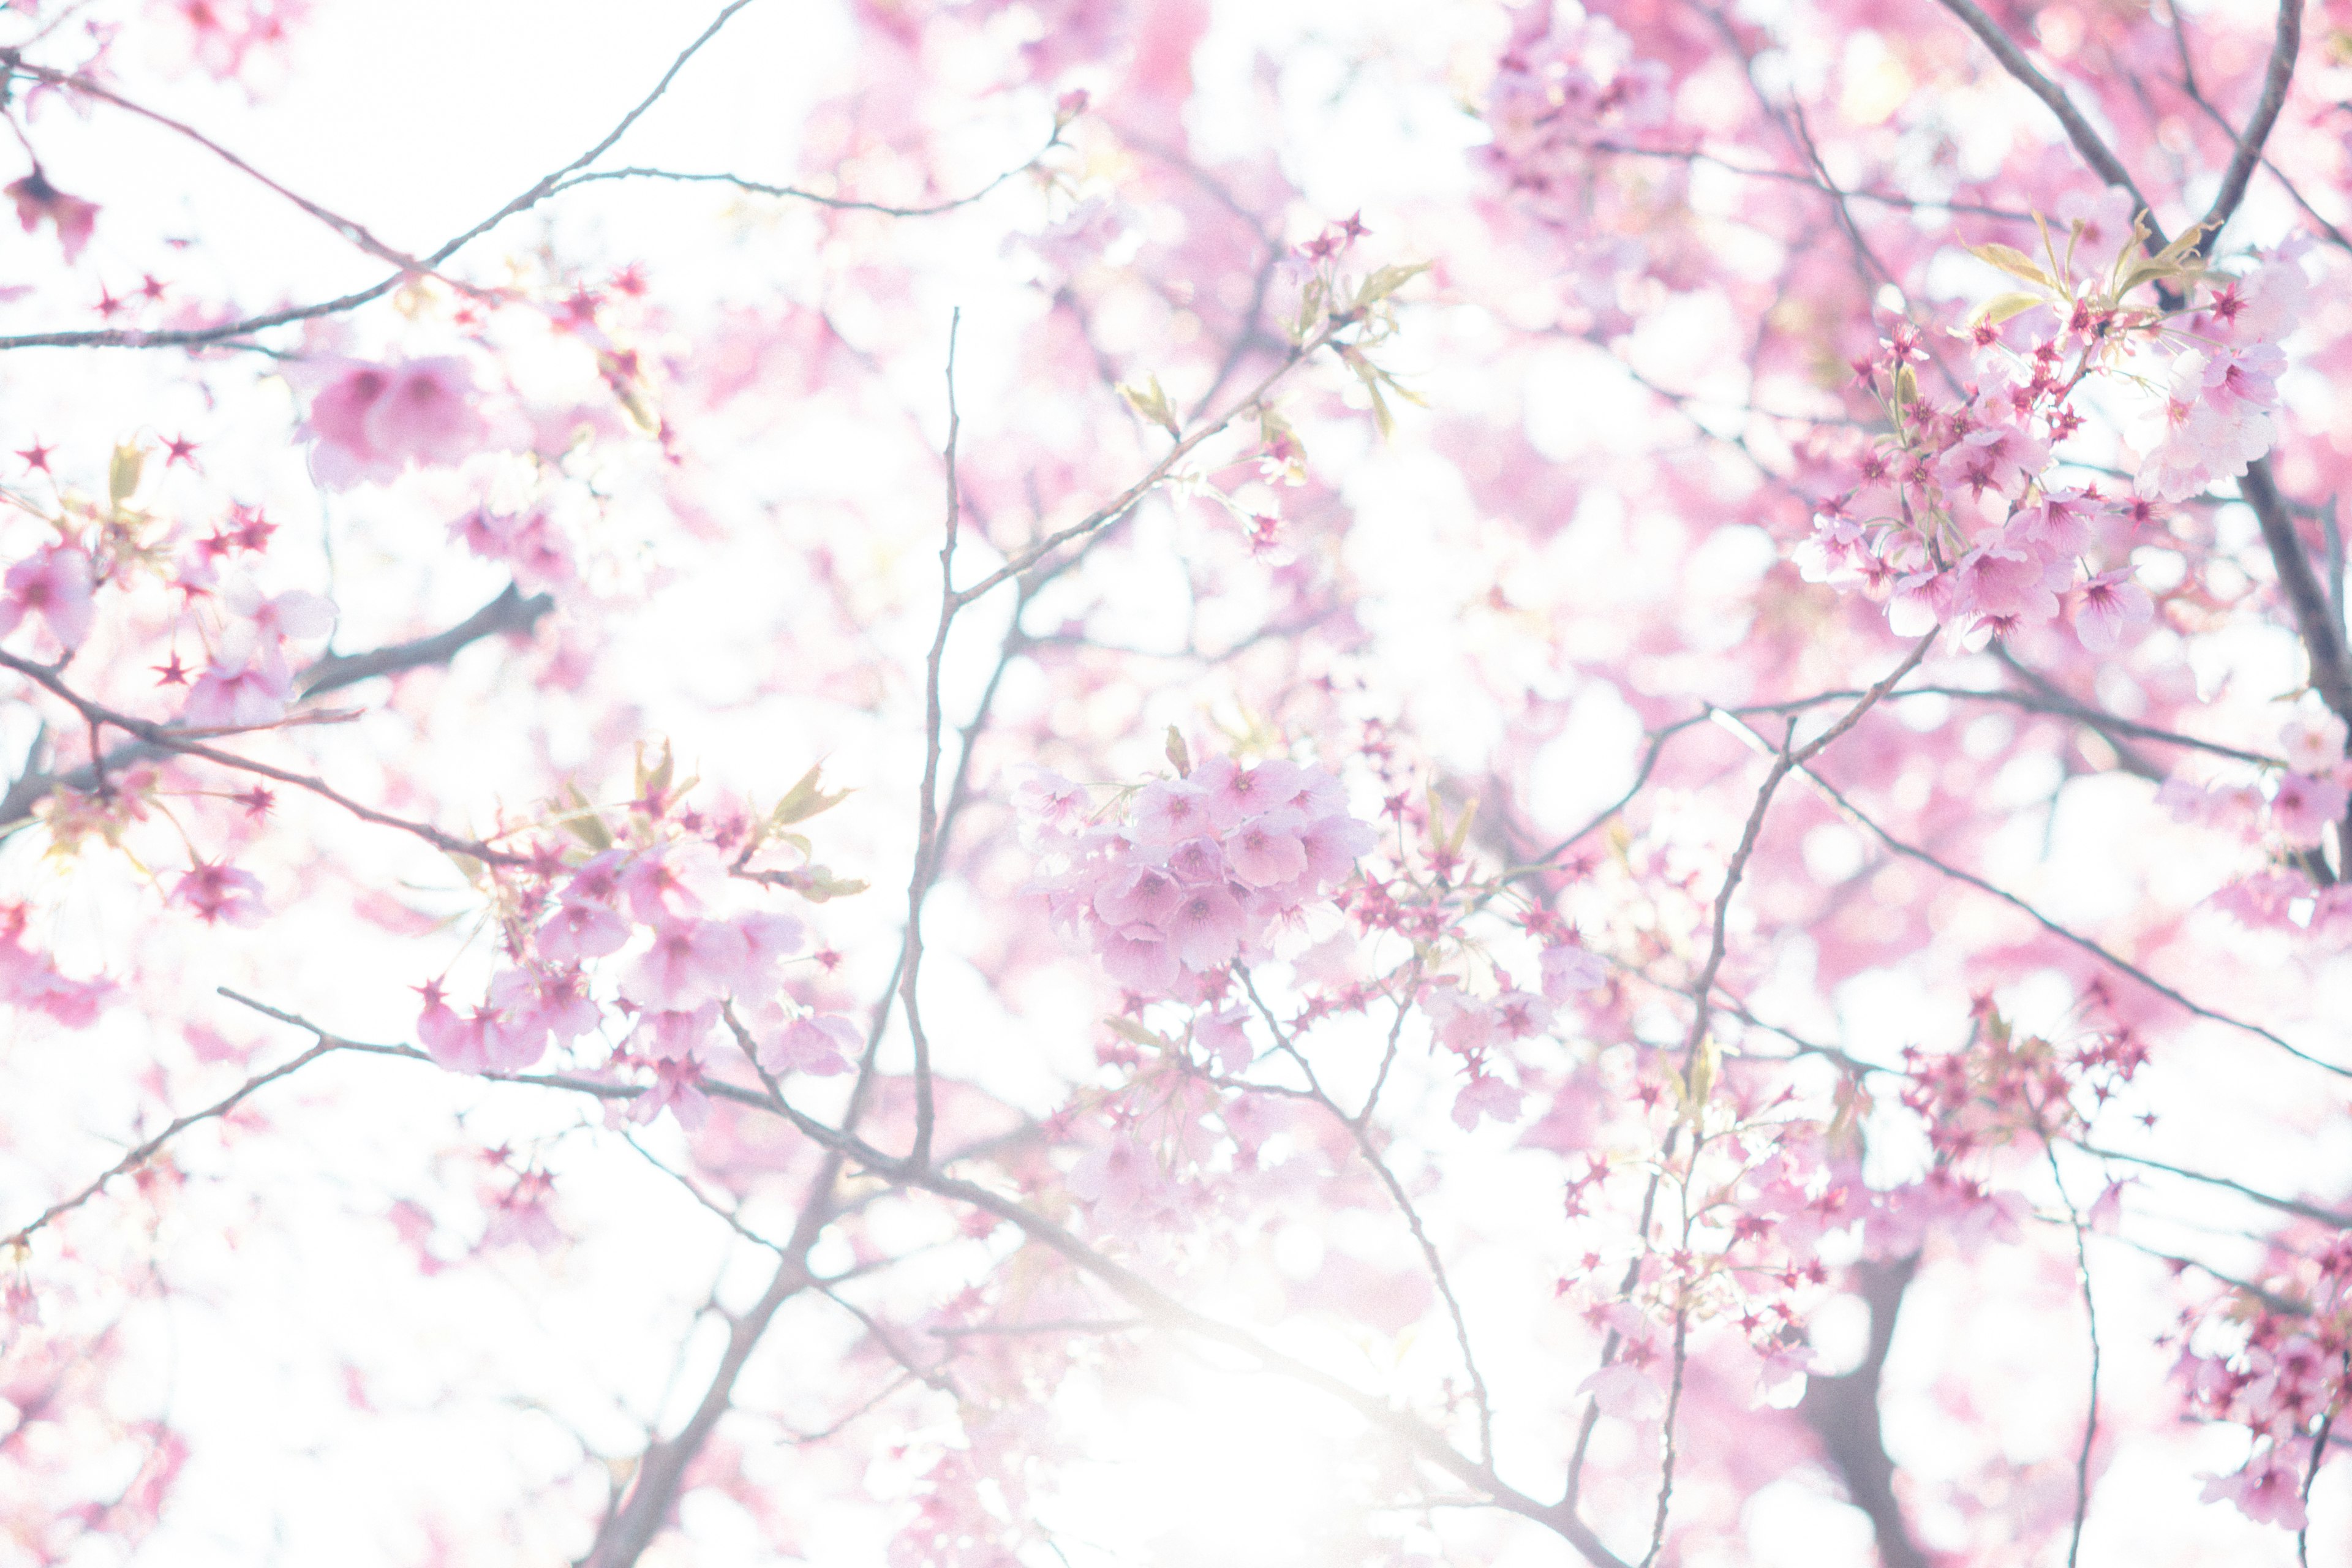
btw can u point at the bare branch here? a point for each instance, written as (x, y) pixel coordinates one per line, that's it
(147, 1151)
(510, 612)
(797, 193)
(2079, 130)
(2249, 150)
(2115, 961)
(2306, 597)
(167, 738)
(918, 885)
(197, 337)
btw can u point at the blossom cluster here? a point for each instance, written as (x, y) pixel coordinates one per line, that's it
(1203, 869)
(371, 421)
(1958, 517)
(1563, 85)
(2279, 1365)
(641, 932)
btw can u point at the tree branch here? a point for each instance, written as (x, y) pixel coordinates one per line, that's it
(2249, 150)
(510, 612)
(2306, 597)
(2086, 141)
(1843, 1411)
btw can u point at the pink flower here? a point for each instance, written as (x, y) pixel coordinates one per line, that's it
(456, 1044)
(678, 1034)
(220, 892)
(819, 1044)
(371, 420)
(1120, 1181)
(2214, 420)
(1997, 580)
(655, 888)
(578, 931)
(1050, 802)
(1920, 603)
(689, 963)
(237, 697)
(676, 1089)
(1137, 957)
(1205, 928)
(55, 585)
(2311, 741)
(2269, 1490)
(2107, 606)
(556, 999)
(1486, 1096)
(1145, 895)
(1568, 969)
(38, 201)
(1237, 794)
(1198, 860)
(1626, 1392)
(1224, 1035)
(1461, 1022)
(424, 413)
(1170, 811)
(2303, 805)
(1997, 460)
(1268, 850)
(1332, 845)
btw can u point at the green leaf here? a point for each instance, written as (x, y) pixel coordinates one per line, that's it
(584, 822)
(817, 884)
(1387, 281)
(1704, 1068)
(1130, 1030)
(807, 798)
(2014, 262)
(122, 472)
(1150, 402)
(1179, 754)
(2002, 307)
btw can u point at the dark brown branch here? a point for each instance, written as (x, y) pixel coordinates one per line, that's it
(1843, 1411)
(2249, 150)
(653, 1489)
(510, 612)
(2284, 1205)
(1154, 1305)
(2306, 597)
(2079, 130)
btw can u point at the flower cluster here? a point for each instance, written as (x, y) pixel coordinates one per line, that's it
(1957, 519)
(1561, 86)
(1203, 869)
(2007, 1083)
(2280, 1365)
(531, 545)
(2215, 416)
(249, 680)
(222, 37)
(371, 421)
(29, 980)
(640, 931)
